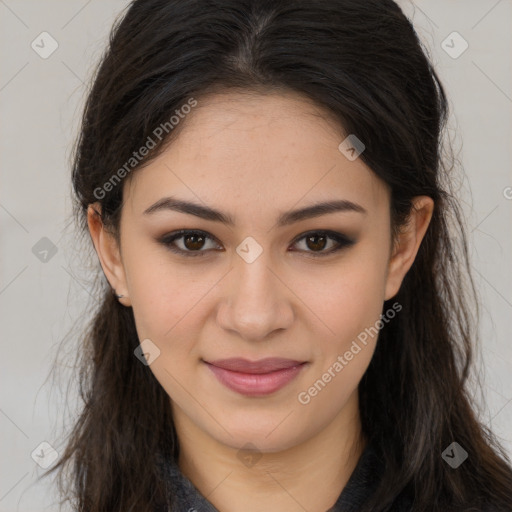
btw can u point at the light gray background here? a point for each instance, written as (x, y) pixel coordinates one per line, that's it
(40, 103)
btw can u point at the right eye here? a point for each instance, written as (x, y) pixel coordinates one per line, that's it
(192, 242)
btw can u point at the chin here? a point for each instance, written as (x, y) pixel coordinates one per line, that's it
(260, 437)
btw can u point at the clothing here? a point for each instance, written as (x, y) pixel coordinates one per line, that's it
(360, 486)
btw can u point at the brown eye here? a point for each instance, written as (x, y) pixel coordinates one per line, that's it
(192, 242)
(317, 241)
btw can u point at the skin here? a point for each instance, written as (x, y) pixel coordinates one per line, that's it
(255, 156)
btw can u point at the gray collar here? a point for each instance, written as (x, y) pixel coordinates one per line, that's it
(360, 486)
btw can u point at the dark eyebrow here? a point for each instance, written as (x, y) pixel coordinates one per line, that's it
(207, 213)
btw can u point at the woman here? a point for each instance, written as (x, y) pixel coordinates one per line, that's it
(291, 324)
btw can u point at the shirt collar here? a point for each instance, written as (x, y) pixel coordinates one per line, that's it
(361, 484)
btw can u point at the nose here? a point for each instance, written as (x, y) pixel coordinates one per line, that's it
(257, 303)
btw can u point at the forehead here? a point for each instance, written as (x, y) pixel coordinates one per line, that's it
(244, 152)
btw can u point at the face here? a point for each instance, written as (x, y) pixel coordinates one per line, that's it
(268, 284)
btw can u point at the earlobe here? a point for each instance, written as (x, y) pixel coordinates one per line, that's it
(108, 252)
(408, 243)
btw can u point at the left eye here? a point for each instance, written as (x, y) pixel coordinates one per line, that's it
(193, 241)
(318, 240)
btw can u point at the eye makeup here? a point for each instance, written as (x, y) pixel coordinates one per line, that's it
(201, 238)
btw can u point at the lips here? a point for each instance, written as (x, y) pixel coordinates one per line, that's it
(271, 364)
(255, 378)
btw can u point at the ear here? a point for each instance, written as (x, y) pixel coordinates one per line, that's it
(407, 243)
(108, 252)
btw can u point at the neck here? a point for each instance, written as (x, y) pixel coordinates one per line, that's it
(308, 476)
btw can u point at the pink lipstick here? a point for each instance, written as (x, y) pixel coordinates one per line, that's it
(255, 378)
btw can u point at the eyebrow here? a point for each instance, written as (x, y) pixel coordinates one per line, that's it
(284, 219)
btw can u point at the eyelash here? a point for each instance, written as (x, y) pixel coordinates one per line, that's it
(342, 240)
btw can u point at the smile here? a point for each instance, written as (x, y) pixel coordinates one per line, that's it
(257, 378)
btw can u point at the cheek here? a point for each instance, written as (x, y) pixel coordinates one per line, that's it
(351, 308)
(164, 294)
(347, 298)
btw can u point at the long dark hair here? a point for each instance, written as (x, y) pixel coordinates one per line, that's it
(364, 64)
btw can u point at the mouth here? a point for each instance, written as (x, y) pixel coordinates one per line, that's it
(255, 378)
